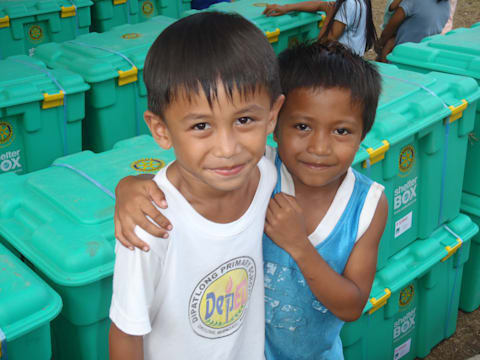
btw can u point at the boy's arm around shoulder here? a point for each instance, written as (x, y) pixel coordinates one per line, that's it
(345, 295)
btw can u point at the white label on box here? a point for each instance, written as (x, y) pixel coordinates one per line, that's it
(403, 224)
(402, 350)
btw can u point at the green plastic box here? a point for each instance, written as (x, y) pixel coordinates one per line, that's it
(27, 306)
(112, 63)
(457, 52)
(414, 300)
(107, 14)
(63, 225)
(417, 149)
(470, 295)
(25, 24)
(281, 31)
(41, 113)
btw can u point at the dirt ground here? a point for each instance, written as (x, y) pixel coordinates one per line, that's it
(466, 341)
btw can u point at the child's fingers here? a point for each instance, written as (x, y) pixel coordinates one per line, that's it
(132, 238)
(157, 195)
(119, 234)
(160, 222)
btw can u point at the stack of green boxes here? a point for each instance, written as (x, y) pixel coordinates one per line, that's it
(418, 140)
(27, 305)
(62, 223)
(25, 24)
(107, 14)
(41, 113)
(112, 64)
(458, 52)
(281, 31)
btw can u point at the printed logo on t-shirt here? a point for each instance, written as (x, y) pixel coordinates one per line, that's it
(218, 303)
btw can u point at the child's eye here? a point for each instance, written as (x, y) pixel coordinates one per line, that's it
(342, 131)
(244, 120)
(302, 127)
(201, 126)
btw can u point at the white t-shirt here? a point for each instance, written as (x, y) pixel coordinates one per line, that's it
(198, 294)
(338, 205)
(353, 13)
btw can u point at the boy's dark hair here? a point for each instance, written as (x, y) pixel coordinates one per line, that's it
(328, 65)
(199, 51)
(370, 32)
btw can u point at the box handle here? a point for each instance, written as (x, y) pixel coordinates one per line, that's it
(377, 154)
(52, 100)
(452, 250)
(378, 303)
(68, 11)
(127, 77)
(4, 21)
(457, 111)
(272, 36)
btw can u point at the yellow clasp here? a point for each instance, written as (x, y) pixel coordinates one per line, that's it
(321, 22)
(118, 2)
(272, 36)
(457, 111)
(68, 11)
(378, 303)
(127, 77)
(4, 21)
(52, 100)
(377, 154)
(452, 250)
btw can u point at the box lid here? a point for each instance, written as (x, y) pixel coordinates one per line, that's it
(26, 302)
(102, 56)
(274, 25)
(24, 79)
(411, 101)
(418, 258)
(457, 52)
(63, 223)
(15, 9)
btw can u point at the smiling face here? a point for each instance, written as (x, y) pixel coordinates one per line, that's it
(318, 134)
(216, 146)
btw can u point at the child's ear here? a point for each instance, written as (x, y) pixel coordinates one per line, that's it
(158, 129)
(277, 105)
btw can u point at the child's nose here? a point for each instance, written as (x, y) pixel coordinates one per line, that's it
(319, 144)
(225, 144)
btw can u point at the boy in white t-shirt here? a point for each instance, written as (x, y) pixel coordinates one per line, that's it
(199, 294)
(325, 220)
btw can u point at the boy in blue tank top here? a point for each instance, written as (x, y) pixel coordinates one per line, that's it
(324, 221)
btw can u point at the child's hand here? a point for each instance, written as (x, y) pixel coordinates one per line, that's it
(134, 196)
(285, 224)
(275, 10)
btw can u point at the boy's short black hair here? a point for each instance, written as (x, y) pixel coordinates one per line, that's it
(199, 51)
(327, 65)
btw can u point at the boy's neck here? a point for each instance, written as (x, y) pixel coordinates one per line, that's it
(315, 200)
(213, 204)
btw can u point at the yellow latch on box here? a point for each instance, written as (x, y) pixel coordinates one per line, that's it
(4, 21)
(272, 36)
(52, 100)
(127, 77)
(377, 154)
(68, 11)
(118, 2)
(457, 111)
(378, 303)
(321, 22)
(452, 250)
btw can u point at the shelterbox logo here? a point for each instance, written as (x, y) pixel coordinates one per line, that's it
(405, 195)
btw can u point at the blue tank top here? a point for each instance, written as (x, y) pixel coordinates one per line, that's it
(297, 325)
